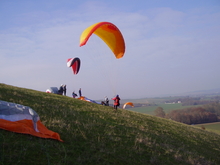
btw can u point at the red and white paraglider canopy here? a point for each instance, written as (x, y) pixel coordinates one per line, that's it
(74, 63)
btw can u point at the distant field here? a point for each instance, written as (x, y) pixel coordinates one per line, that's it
(215, 127)
(159, 100)
(166, 107)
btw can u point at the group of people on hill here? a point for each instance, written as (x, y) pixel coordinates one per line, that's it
(62, 90)
(116, 103)
(75, 95)
(116, 99)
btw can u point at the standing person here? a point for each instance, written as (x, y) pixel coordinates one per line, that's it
(106, 101)
(60, 91)
(116, 102)
(64, 90)
(80, 92)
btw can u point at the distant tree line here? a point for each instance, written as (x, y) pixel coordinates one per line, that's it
(213, 107)
(143, 105)
(195, 100)
(194, 115)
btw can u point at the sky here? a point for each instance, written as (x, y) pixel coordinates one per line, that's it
(172, 46)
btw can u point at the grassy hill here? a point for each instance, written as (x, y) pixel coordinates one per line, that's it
(95, 134)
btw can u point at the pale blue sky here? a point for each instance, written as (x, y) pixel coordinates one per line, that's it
(172, 46)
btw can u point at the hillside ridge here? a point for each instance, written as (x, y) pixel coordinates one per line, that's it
(96, 134)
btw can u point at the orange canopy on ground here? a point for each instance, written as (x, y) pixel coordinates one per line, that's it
(26, 127)
(23, 119)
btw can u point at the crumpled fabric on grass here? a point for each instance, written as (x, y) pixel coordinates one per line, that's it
(22, 119)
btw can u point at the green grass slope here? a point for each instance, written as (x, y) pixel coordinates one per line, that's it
(215, 127)
(95, 134)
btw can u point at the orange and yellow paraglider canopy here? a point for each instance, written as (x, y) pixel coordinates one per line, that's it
(128, 103)
(109, 33)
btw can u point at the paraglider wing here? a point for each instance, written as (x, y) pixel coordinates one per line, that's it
(87, 99)
(22, 119)
(109, 33)
(74, 63)
(128, 103)
(52, 90)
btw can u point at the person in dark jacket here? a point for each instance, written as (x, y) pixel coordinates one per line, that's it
(106, 101)
(80, 92)
(116, 102)
(64, 90)
(60, 91)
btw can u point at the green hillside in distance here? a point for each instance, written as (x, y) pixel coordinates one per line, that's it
(96, 134)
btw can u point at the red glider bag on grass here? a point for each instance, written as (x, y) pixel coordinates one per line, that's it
(22, 119)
